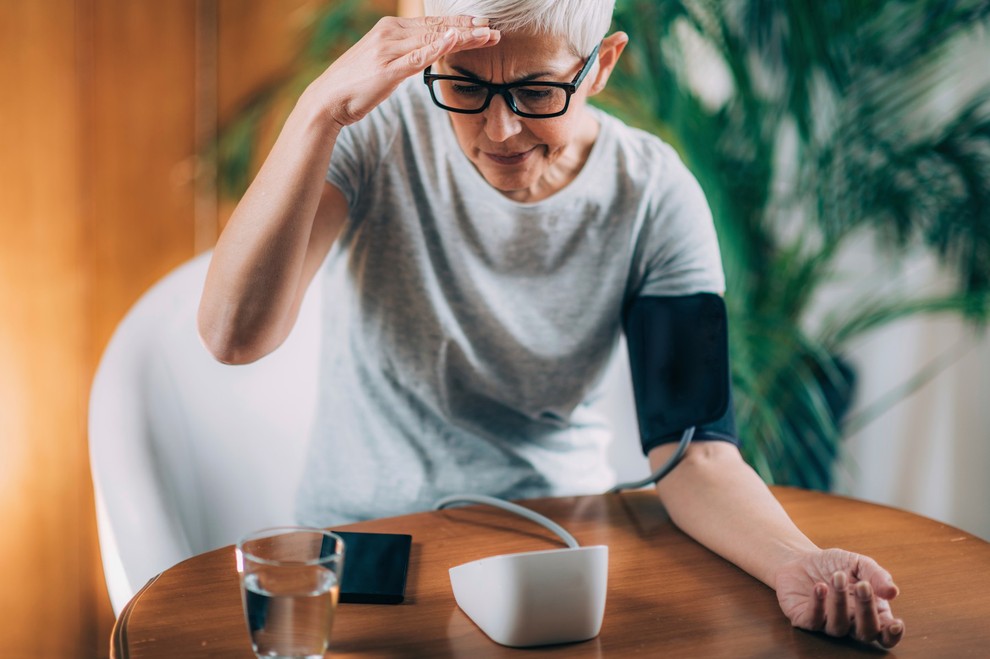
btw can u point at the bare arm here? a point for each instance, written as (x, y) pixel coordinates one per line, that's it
(288, 219)
(270, 249)
(717, 499)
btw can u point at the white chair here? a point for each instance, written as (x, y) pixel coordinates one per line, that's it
(188, 454)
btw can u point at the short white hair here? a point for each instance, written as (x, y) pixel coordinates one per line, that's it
(582, 22)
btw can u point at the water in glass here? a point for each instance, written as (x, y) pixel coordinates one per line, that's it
(290, 611)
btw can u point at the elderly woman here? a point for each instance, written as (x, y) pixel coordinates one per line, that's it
(480, 228)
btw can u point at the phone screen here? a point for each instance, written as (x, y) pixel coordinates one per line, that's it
(375, 567)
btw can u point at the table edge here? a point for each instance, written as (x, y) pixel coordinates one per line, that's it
(118, 635)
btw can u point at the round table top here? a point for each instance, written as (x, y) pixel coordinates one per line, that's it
(667, 595)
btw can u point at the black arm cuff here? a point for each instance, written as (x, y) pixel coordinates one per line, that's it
(720, 430)
(679, 360)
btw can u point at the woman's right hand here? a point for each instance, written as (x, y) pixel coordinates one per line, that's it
(395, 49)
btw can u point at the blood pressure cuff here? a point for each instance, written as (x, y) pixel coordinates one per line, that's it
(679, 359)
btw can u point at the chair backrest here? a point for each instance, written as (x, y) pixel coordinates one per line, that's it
(188, 454)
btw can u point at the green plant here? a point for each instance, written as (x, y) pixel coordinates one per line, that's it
(821, 131)
(818, 136)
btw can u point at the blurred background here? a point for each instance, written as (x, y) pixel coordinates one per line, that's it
(844, 147)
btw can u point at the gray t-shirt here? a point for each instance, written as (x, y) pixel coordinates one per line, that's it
(466, 333)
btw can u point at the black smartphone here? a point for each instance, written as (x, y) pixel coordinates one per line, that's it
(375, 567)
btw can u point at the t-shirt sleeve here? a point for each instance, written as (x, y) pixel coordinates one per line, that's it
(360, 150)
(678, 251)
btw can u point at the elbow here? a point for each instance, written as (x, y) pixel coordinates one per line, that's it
(712, 455)
(229, 355)
(225, 344)
(706, 459)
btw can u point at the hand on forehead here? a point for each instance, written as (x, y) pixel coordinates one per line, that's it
(517, 56)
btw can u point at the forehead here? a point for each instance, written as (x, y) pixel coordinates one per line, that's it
(516, 55)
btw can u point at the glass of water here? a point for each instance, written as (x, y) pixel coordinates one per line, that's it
(290, 580)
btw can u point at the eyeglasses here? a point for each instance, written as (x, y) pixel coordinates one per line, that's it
(534, 100)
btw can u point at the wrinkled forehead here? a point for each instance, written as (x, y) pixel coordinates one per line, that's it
(518, 55)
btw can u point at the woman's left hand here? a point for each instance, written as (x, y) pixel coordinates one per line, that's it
(842, 594)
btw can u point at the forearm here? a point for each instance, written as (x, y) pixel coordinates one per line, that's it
(254, 285)
(289, 217)
(717, 499)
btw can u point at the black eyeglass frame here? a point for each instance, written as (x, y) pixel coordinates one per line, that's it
(503, 90)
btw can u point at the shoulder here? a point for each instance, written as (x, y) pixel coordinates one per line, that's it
(645, 160)
(398, 120)
(405, 116)
(408, 108)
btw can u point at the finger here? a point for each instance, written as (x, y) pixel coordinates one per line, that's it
(883, 585)
(401, 36)
(494, 36)
(472, 31)
(892, 633)
(881, 581)
(837, 607)
(459, 35)
(438, 45)
(867, 621)
(476, 37)
(816, 615)
(440, 24)
(435, 47)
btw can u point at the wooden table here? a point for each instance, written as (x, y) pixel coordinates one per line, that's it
(667, 595)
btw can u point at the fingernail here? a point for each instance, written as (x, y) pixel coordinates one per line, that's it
(839, 580)
(449, 35)
(896, 628)
(479, 21)
(821, 590)
(480, 32)
(864, 590)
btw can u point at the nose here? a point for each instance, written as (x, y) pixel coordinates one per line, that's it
(501, 122)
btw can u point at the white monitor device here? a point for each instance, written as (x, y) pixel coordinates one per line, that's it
(537, 597)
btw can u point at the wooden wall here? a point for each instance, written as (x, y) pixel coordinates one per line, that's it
(47, 556)
(103, 105)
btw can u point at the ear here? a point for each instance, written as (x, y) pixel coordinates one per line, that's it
(608, 54)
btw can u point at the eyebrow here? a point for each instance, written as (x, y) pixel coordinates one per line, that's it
(532, 76)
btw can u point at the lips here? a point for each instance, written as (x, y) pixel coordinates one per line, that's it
(509, 158)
